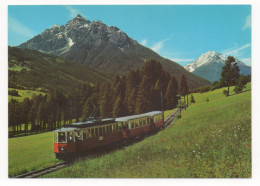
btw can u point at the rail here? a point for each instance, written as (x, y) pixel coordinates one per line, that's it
(43, 171)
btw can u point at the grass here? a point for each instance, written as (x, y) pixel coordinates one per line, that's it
(211, 140)
(30, 153)
(33, 152)
(18, 68)
(23, 94)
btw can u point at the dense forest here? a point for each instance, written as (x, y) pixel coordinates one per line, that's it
(137, 92)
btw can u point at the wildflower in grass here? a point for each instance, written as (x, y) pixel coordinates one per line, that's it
(193, 151)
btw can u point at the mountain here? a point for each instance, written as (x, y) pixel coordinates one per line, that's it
(209, 66)
(101, 47)
(30, 69)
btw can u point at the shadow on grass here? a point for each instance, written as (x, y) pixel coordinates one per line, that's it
(240, 92)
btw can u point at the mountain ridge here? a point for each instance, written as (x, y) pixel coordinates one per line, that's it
(209, 66)
(104, 48)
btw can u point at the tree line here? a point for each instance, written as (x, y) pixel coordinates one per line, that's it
(141, 90)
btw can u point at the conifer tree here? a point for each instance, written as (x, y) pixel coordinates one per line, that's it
(106, 103)
(132, 85)
(171, 94)
(230, 73)
(119, 107)
(183, 87)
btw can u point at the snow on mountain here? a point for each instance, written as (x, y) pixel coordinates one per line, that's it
(210, 57)
(209, 66)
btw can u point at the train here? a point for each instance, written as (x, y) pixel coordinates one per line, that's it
(84, 136)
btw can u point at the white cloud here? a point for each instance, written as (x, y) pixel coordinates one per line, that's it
(157, 46)
(247, 23)
(144, 42)
(17, 27)
(247, 61)
(236, 51)
(73, 12)
(182, 60)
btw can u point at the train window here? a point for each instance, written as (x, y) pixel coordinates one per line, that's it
(100, 131)
(96, 132)
(136, 124)
(92, 132)
(116, 126)
(78, 135)
(84, 134)
(113, 128)
(120, 126)
(109, 129)
(61, 137)
(69, 136)
(89, 133)
(132, 125)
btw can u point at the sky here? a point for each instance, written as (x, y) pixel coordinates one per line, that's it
(177, 32)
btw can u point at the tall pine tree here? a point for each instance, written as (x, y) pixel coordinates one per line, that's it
(230, 73)
(171, 99)
(183, 87)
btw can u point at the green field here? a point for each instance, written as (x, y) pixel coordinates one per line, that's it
(33, 152)
(29, 153)
(212, 139)
(23, 94)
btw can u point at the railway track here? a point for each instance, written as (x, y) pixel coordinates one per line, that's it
(168, 121)
(63, 164)
(44, 171)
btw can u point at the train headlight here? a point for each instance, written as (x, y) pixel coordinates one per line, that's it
(61, 148)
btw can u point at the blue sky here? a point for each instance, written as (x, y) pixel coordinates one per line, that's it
(178, 32)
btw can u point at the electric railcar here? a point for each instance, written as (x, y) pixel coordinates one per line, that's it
(85, 136)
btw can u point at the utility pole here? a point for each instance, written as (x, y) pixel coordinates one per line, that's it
(162, 107)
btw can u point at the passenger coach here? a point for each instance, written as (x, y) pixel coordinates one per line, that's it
(84, 136)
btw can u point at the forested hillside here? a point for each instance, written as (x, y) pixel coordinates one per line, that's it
(138, 92)
(30, 69)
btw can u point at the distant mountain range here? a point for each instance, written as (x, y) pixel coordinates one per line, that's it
(104, 48)
(209, 66)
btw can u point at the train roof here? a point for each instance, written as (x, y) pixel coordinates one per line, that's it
(91, 123)
(67, 129)
(126, 118)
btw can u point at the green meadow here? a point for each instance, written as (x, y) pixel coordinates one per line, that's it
(29, 153)
(23, 94)
(211, 140)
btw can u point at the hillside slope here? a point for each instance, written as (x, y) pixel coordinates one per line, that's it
(29, 69)
(211, 140)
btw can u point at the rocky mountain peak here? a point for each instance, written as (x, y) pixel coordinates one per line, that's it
(209, 66)
(77, 21)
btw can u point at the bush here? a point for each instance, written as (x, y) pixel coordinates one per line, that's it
(192, 100)
(13, 93)
(225, 92)
(241, 84)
